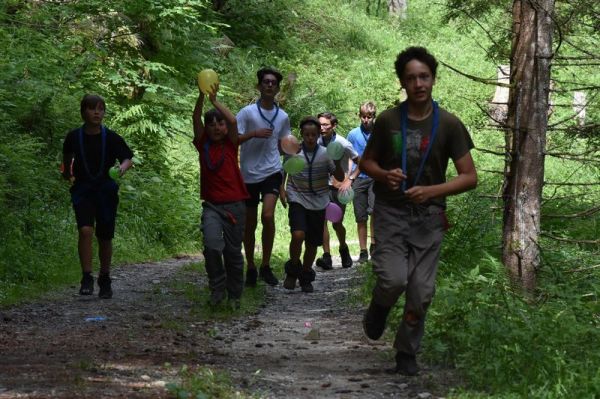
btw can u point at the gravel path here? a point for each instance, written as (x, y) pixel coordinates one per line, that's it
(296, 346)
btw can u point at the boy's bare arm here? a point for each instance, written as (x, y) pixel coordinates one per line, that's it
(197, 117)
(232, 129)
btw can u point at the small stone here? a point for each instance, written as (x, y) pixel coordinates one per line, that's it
(424, 395)
(145, 377)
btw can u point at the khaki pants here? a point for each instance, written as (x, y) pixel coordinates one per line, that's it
(409, 239)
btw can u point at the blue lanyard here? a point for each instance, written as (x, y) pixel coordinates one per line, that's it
(269, 121)
(331, 140)
(310, 162)
(434, 128)
(84, 160)
(209, 163)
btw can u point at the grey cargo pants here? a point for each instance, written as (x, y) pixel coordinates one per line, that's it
(409, 239)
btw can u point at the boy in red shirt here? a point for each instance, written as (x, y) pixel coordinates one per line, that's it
(224, 192)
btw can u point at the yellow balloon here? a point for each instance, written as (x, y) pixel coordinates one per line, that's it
(207, 78)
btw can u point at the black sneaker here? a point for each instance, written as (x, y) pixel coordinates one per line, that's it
(291, 275)
(324, 262)
(374, 320)
(251, 276)
(363, 257)
(406, 364)
(87, 285)
(346, 258)
(267, 276)
(305, 279)
(104, 282)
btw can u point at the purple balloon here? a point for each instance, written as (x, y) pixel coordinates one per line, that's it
(333, 212)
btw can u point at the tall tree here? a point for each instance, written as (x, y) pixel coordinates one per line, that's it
(527, 122)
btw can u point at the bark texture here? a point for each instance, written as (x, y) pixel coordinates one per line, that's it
(527, 122)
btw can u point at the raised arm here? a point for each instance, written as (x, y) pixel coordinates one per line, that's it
(232, 129)
(197, 117)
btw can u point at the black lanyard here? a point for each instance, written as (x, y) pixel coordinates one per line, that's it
(209, 163)
(434, 128)
(83, 158)
(269, 121)
(310, 162)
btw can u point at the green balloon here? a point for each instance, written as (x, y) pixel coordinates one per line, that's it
(294, 165)
(397, 143)
(346, 196)
(335, 150)
(114, 172)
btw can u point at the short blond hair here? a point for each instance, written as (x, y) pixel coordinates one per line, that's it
(367, 108)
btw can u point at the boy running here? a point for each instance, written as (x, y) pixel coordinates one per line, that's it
(308, 195)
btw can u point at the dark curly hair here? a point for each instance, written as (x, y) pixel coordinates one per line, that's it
(415, 53)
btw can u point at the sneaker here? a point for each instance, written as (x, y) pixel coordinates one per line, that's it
(363, 257)
(406, 364)
(291, 275)
(267, 276)
(374, 320)
(251, 276)
(305, 279)
(104, 282)
(346, 258)
(324, 262)
(87, 285)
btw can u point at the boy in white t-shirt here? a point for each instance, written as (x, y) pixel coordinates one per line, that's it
(262, 125)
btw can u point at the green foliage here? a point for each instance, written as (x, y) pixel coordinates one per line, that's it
(530, 349)
(204, 383)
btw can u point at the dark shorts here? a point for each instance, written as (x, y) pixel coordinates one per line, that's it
(364, 198)
(333, 197)
(96, 205)
(310, 222)
(257, 191)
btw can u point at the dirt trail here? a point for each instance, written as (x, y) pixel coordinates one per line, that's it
(49, 350)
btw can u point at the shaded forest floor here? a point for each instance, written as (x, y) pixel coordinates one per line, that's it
(296, 345)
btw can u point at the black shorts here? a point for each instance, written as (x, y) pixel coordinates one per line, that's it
(310, 222)
(96, 205)
(257, 191)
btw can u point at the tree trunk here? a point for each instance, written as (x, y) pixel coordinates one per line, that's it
(527, 122)
(398, 8)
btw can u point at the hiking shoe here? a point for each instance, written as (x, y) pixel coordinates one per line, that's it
(251, 276)
(324, 262)
(363, 257)
(305, 278)
(104, 282)
(267, 276)
(87, 285)
(406, 364)
(374, 320)
(291, 275)
(346, 258)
